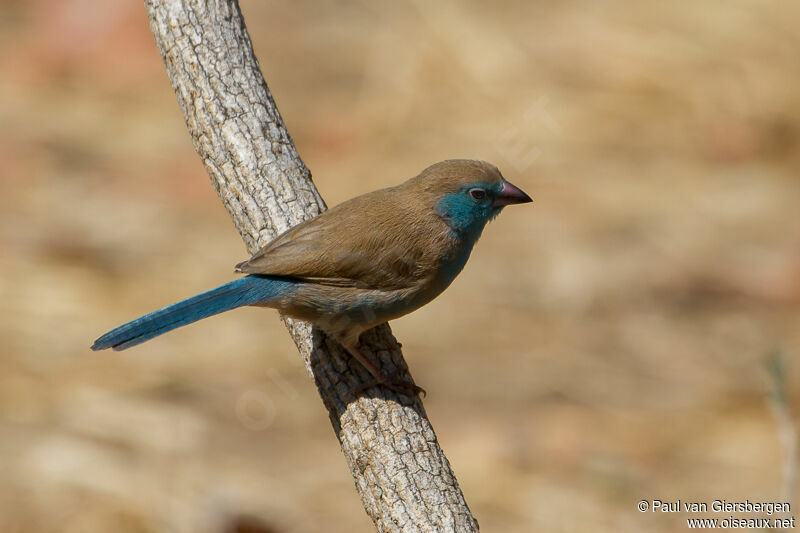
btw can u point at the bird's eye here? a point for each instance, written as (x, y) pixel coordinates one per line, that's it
(477, 194)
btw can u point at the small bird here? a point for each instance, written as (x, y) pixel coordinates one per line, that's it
(366, 261)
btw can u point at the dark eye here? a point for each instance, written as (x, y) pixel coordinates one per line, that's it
(477, 194)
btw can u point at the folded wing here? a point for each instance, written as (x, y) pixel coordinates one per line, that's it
(374, 241)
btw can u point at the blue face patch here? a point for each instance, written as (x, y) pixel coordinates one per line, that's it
(469, 208)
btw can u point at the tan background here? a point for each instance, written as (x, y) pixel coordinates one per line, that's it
(604, 345)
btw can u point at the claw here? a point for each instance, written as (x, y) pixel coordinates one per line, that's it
(399, 386)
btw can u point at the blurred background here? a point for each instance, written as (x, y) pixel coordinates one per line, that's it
(605, 345)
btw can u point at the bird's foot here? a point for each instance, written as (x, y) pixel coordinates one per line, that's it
(379, 378)
(397, 385)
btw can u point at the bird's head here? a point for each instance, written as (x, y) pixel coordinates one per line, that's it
(467, 194)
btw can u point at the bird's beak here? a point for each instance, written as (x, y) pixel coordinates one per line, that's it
(509, 195)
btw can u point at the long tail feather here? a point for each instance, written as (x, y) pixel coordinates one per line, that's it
(248, 290)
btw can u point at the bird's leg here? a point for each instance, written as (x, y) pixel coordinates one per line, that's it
(397, 385)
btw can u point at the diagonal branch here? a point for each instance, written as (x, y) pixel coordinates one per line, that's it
(402, 475)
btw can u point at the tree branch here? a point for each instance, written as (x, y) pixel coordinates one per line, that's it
(402, 475)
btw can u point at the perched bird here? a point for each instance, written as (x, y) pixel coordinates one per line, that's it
(368, 260)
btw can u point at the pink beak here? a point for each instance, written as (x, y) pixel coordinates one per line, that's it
(509, 195)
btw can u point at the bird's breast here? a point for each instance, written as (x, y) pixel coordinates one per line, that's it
(344, 308)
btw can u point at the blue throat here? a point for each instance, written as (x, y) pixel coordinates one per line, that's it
(466, 216)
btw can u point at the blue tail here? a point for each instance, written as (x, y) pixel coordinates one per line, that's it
(248, 290)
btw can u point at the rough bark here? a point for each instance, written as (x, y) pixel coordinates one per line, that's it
(402, 475)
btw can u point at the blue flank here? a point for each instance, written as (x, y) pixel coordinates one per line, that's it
(452, 268)
(248, 290)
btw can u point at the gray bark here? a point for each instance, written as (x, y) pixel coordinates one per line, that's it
(402, 475)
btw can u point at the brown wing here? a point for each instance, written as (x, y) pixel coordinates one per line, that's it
(377, 240)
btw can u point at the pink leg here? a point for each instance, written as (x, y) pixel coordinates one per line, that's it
(399, 386)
